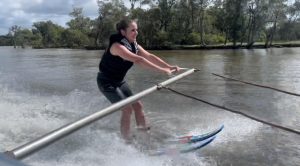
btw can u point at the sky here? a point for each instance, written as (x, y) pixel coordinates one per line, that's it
(25, 12)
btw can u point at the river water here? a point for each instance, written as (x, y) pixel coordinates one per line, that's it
(41, 90)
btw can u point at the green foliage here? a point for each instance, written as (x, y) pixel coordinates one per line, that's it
(20, 37)
(6, 40)
(193, 38)
(74, 38)
(149, 26)
(161, 40)
(235, 19)
(109, 14)
(50, 32)
(291, 28)
(24, 37)
(79, 22)
(37, 41)
(165, 7)
(214, 39)
(167, 22)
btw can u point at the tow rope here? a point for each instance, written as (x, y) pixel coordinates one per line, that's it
(233, 111)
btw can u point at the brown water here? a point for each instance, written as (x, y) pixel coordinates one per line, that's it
(41, 90)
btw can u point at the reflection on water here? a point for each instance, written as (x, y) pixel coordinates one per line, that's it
(40, 90)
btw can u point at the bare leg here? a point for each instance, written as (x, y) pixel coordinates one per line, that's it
(125, 122)
(139, 114)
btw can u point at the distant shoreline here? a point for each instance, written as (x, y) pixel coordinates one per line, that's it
(189, 47)
(210, 47)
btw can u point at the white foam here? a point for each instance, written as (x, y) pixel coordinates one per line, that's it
(26, 116)
(236, 127)
(107, 149)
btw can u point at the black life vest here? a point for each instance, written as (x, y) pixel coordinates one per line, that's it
(115, 67)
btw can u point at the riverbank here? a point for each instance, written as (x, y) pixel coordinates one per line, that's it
(195, 47)
(208, 47)
(256, 46)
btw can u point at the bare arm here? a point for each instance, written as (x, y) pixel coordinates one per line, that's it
(154, 59)
(120, 50)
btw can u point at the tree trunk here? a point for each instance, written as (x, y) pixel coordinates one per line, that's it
(267, 40)
(96, 39)
(251, 33)
(273, 30)
(226, 38)
(14, 40)
(202, 27)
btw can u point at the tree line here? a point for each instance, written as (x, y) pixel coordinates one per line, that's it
(166, 23)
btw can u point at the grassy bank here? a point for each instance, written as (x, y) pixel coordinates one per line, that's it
(258, 45)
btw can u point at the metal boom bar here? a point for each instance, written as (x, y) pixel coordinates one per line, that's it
(28, 148)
